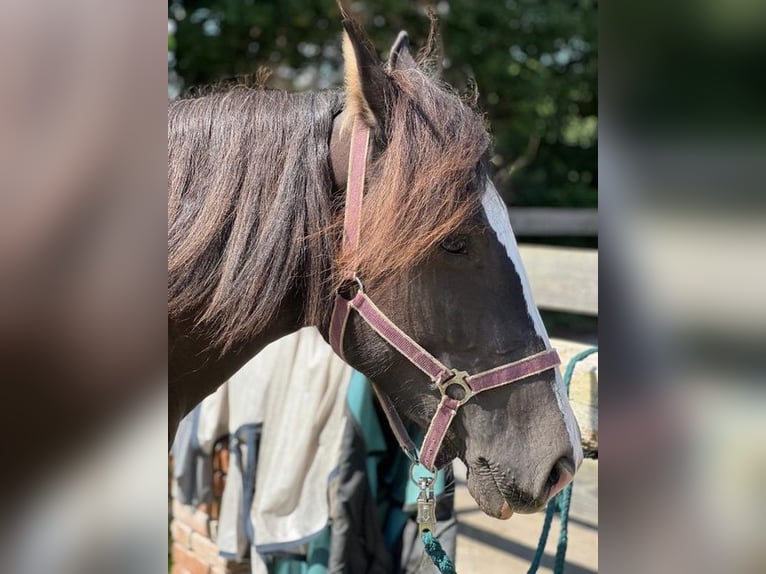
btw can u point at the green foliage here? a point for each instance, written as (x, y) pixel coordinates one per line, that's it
(534, 62)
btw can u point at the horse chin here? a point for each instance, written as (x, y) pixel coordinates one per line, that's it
(484, 489)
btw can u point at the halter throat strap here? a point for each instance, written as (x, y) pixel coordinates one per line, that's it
(456, 387)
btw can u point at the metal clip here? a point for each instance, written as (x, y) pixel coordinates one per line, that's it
(426, 517)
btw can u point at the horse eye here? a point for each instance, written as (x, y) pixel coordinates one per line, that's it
(454, 244)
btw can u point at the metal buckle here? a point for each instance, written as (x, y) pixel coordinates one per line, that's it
(426, 516)
(459, 378)
(350, 287)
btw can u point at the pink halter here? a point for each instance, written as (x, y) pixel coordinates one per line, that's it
(456, 387)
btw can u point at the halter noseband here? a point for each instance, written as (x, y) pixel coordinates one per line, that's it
(456, 387)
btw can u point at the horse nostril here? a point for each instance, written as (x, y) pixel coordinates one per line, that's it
(561, 475)
(553, 478)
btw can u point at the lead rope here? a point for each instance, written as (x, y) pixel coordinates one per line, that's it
(561, 501)
(437, 555)
(426, 507)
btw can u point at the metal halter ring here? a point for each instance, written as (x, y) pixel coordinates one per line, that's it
(431, 479)
(347, 283)
(459, 379)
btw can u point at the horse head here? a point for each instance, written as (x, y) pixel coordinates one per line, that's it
(437, 255)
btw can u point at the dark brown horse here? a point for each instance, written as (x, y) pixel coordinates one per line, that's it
(256, 183)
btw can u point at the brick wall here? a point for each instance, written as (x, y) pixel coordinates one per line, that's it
(193, 530)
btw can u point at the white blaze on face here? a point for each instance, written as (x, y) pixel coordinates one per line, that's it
(497, 216)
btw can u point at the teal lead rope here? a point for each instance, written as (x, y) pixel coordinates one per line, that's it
(560, 502)
(437, 555)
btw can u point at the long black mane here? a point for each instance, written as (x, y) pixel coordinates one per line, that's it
(248, 207)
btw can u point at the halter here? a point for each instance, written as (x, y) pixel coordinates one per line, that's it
(456, 387)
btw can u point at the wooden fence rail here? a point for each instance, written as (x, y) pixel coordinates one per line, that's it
(553, 221)
(563, 278)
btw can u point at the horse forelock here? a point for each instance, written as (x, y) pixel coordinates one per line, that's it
(423, 184)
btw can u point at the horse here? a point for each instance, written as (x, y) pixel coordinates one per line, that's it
(260, 190)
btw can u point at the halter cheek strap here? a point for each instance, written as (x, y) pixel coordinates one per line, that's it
(456, 387)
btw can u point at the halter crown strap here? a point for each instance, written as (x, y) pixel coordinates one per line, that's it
(357, 168)
(456, 387)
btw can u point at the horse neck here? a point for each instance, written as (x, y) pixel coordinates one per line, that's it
(195, 370)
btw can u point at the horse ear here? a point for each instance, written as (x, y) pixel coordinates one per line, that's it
(399, 56)
(367, 84)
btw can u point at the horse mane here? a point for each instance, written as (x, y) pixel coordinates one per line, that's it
(250, 209)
